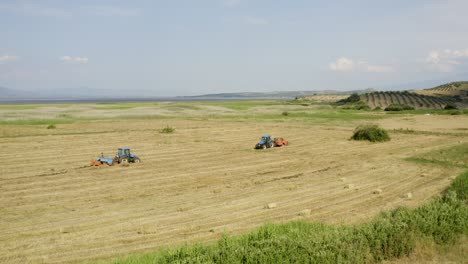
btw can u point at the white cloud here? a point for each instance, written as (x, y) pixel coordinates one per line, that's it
(446, 60)
(460, 53)
(342, 64)
(258, 21)
(232, 3)
(345, 65)
(433, 57)
(74, 60)
(7, 58)
(113, 11)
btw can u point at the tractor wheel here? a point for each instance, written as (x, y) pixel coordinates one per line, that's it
(264, 147)
(124, 161)
(137, 160)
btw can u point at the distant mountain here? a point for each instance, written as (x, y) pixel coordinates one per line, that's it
(278, 94)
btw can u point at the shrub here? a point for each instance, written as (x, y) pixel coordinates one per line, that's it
(373, 133)
(456, 113)
(51, 126)
(398, 107)
(450, 106)
(285, 113)
(356, 106)
(378, 108)
(460, 187)
(351, 99)
(167, 130)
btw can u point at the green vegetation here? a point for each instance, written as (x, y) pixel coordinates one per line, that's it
(23, 122)
(264, 111)
(398, 107)
(30, 106)
(422, 132)
(353, 102)
(177, 106)
(456, 85)
(356, 106)
(430, 111)
(453, 156)
(167, 130)
(450, 106)
(51, 126)
(456, 113)
(373, 133)
(124, 105)
(242, 105)
(354, 98)
(388, 236)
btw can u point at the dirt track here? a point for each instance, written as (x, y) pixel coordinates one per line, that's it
(194, 184)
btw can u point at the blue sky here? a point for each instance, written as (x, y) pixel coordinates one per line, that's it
(193, 47)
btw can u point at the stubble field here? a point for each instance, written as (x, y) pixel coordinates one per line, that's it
(204, 179)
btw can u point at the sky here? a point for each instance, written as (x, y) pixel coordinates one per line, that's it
(191, 47)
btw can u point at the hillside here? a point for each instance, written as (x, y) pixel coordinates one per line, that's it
(280, 94)
(416, 100)
(448, 89)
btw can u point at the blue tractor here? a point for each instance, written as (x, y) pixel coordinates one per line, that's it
(123, 156)
(265, 142)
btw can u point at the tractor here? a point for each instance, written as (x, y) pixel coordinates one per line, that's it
(123, 156)
(265, 142)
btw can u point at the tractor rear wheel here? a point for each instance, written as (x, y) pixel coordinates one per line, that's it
(124, 161)
(264, 147)
(137, 160)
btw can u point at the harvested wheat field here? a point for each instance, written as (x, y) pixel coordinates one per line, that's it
(202, 180)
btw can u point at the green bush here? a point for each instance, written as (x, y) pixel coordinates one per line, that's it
(398, 107)
(456, 112)
(285, 113)
(373, 133)
(52, 126)
(459, 187)
(450, 106)
(351, 99)
(167, 130)
(356, 106)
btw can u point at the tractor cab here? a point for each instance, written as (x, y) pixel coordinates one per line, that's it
(265, 139)
(124, 156)
(265, 142)
(123, 152)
